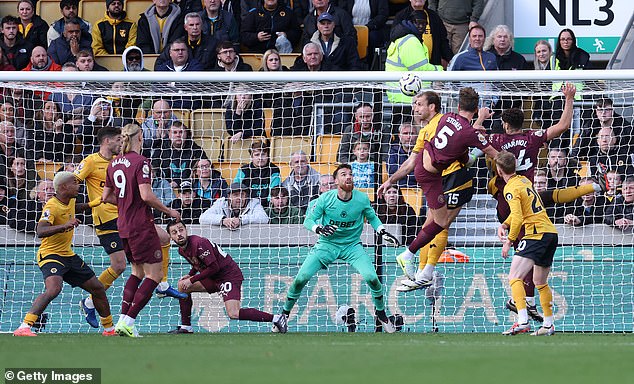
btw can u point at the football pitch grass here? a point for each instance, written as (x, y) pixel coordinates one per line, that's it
(332, 357)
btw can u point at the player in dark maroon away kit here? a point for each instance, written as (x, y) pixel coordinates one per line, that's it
(454, 135)
(129, 186)
(213, 270)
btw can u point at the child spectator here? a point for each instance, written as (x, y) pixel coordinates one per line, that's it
(362, 167)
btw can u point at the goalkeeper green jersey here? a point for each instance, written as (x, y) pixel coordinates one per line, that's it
(348, 216)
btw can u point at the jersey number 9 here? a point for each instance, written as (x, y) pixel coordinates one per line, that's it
(120, 181)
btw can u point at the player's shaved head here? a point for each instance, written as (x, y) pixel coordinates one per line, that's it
(505, 162)
(62, 178)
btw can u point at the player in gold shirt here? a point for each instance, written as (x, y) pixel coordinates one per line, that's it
(536, 249)
(93, 170)
(457, 187)
(56, 259)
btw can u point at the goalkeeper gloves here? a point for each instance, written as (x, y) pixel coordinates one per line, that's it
(389, 238)
(325, 230)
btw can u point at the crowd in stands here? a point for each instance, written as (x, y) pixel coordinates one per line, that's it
(211, 35)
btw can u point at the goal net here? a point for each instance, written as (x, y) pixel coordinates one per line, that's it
(207, 131)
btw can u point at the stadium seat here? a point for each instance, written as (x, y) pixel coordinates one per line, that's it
(134, 8)
(183, 115)
(11, 8)
(228, 170)
(413, 197)
(253, 59)
(285, 170)
(268, 120)
(288, 59)
(212, 147)
(114, 63)
(47, 169)
(48, 10)
(327, 148)
(91, 10)
(362, 40)
(238, 152)
(324, 168)
(283, 146)
(208, 123)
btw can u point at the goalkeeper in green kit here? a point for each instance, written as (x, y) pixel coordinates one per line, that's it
(338, 218)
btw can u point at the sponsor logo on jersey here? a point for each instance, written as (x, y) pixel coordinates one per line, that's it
(342, 224)
(509, 196)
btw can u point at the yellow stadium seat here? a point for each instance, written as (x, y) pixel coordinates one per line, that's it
(283, 146)
(47, 169)
(327, 148)
(48, 10)
(362, 40)
(208, 123)
(114, 63)
(413, 197)
(11, 8)
(324, 168)
(92, 10)
(134, 8)
(288, 59)
(268, 120)
(285, 170)
(228, 170)
(253, 59)
(212, 147)
(238, 152)
(183, 115)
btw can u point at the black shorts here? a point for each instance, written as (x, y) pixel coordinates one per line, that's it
(540, 251)
(72, 269)
(458, 187)
(111, 242)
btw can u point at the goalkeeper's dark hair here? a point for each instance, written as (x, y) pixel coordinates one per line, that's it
(506, 162)
(468, 99)
(514, 117)
(339, 167)
(171, 223)
(107, 133)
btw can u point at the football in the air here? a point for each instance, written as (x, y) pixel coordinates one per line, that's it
(410, 84)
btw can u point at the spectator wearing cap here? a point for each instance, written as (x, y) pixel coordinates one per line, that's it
(115, 32)
(235, 210)
(341, 18)
(189, 204)
(434, 34)
(259, 175)
(340, 51)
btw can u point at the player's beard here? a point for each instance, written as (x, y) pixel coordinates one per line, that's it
(347, 187)
(181, 242)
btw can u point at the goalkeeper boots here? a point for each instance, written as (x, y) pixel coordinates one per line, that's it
(530, 309)
(24, 331)
(90, 314)
(543, 331)
(280, 323)
(517, 328)
(408, 267)
(171, 292)
(387, 325)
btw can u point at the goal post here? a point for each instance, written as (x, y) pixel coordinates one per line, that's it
(309, 114)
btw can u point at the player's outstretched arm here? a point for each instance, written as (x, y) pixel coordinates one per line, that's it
(405, 169)
(562, 126)
(107, 196)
